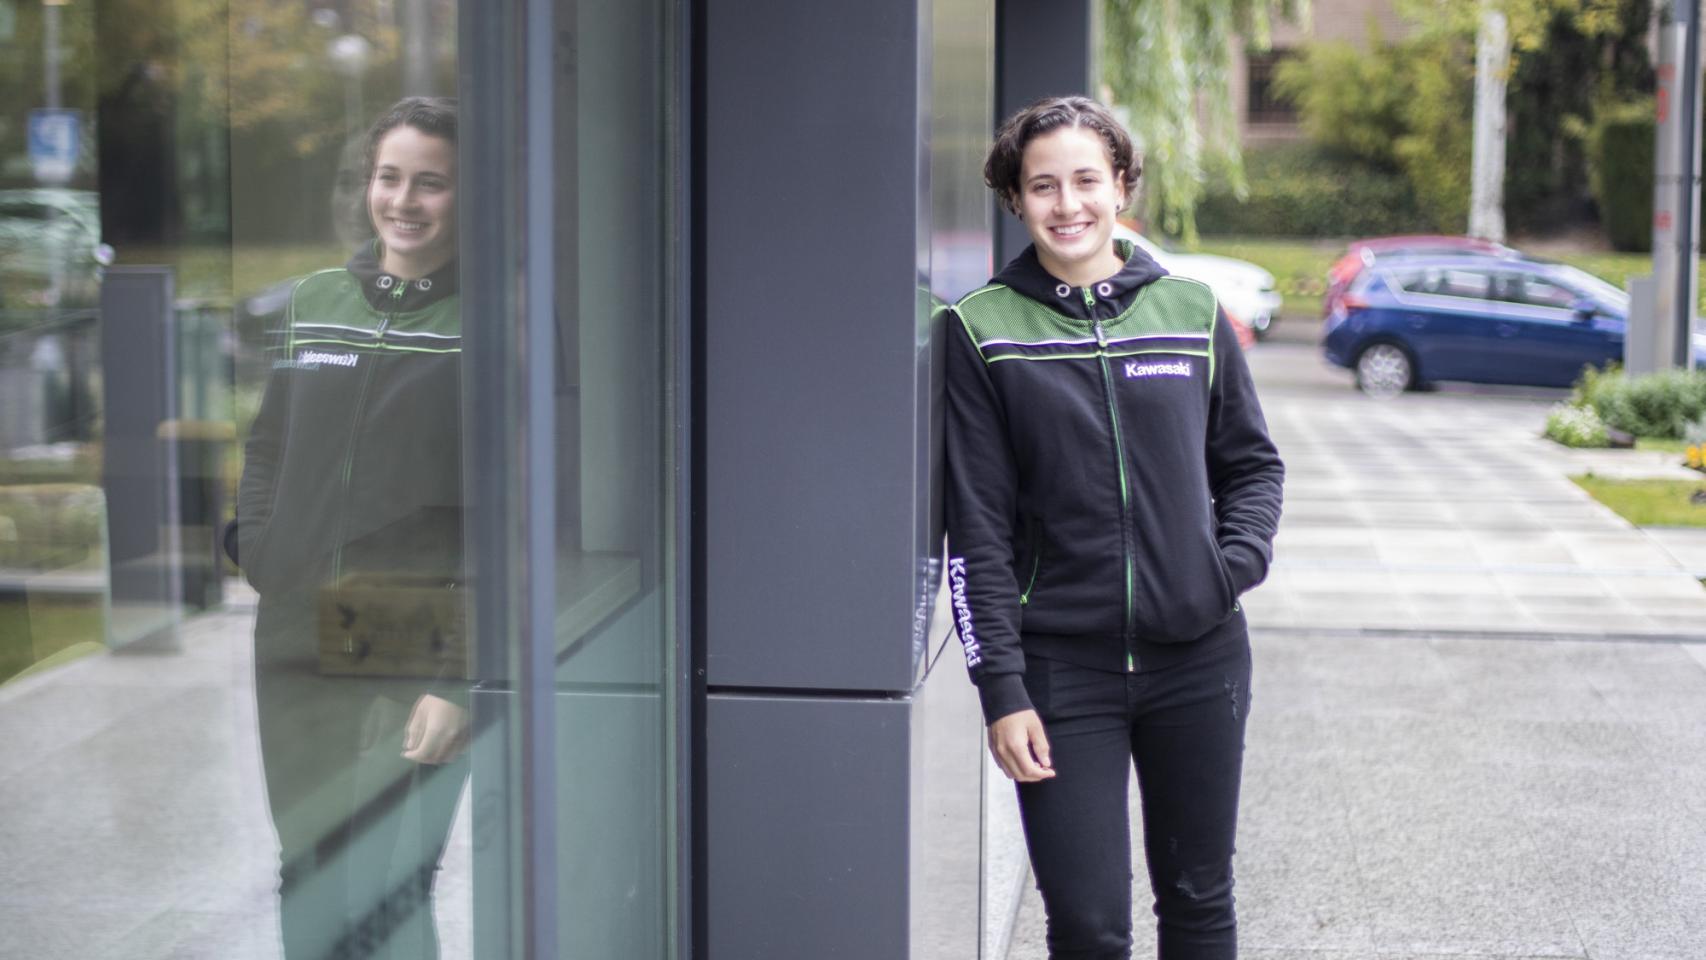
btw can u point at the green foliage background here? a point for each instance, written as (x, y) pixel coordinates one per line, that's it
(1168, 64)
(1404, 108)
(1621, 154)
(1302, 190)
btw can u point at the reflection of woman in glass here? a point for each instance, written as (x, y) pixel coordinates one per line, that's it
(1111, 492)
(351, 526)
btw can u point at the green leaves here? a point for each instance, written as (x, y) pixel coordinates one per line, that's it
(1167, 66)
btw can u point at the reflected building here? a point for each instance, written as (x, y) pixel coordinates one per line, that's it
(640, 478)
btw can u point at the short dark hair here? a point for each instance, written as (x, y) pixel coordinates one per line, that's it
(430, 115)
(1007, 153)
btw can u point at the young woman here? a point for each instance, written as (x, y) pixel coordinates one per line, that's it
(1112, 490)
(353, 469)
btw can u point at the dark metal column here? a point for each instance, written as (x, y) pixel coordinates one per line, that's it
(1043, 48)
(815, 251)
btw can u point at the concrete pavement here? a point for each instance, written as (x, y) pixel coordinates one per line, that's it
(1479, 727)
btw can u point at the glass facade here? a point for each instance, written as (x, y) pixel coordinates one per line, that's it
(453, 502)
(292, 426)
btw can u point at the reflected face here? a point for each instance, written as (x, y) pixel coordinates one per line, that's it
(1068, 198)
(412, 201)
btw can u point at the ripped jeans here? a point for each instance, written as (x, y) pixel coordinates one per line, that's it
(1183, 727)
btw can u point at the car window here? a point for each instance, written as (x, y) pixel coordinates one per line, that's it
(1537, 292)
(1595, 288)
(1446, 282)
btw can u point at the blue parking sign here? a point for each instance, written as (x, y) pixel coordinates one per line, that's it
(55, 137)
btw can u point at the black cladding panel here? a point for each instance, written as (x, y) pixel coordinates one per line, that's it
(812, 406)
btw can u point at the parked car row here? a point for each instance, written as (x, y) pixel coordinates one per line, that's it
(1403, 312)
(1245, 291)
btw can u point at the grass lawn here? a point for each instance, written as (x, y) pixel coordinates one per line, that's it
(218, 273)
(1299, 266)
(1662, 445)
(1648, 503)
(47, 632)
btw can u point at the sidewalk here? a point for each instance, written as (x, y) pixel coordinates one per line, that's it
(1449, 513)
(1479, 727)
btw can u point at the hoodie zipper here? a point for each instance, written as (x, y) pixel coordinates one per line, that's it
(349, 447)
(1119, 459)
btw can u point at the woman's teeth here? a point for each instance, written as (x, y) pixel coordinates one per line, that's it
(1071, 231)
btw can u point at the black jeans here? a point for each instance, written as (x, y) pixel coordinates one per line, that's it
(360, 829)
(1183, 726)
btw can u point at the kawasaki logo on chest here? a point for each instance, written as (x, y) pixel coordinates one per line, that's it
(1136, 369)
(315, 358)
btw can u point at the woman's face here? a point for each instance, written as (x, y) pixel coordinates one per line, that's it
(412, 201)
(1068, 198)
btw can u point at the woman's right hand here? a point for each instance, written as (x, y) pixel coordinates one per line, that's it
(1020, 747)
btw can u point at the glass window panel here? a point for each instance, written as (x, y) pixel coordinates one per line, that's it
(235, 662)
(615, 603)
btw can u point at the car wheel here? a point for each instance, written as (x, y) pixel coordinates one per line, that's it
(1263, 326)
(1384, 370)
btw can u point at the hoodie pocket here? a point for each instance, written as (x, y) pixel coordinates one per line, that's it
(1034, 537)
(1188, 594)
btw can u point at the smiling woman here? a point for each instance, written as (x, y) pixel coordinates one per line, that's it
(350, 529)
(1111, 492)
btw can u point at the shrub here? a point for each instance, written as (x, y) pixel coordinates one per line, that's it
(1654, 405)
(1403, 106)
(1620, 165)
(1299, 190)
(1575, 426)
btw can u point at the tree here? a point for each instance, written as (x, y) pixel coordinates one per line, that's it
(1406, 104)
(1168, 63)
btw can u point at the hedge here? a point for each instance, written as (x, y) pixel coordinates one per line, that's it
(1302, 191)
(1620, 150)
(1653, 405)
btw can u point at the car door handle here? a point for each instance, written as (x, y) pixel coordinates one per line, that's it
(1506, 329)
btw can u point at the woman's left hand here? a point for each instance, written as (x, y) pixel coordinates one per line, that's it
(437, 731)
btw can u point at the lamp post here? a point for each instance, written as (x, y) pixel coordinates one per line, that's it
(348, 52)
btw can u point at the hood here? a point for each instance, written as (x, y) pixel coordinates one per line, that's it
(1027, 275)
(382, 289)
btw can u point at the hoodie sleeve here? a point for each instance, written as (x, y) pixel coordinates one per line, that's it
(1244, 469)
(982, 496)
(257, 490)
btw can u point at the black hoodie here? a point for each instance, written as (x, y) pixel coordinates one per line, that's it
(1112, 489)
(354, 462)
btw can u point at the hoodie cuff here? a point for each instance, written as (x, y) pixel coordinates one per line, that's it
(1003, 694)
(1247, 566)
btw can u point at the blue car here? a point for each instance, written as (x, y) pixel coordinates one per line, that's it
(1408, 321)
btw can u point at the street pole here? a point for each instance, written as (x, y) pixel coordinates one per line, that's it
(1487, 180)
(1687, 17)
(50, 52)
(417, 49)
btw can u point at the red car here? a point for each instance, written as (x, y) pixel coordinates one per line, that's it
(1364, 253)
